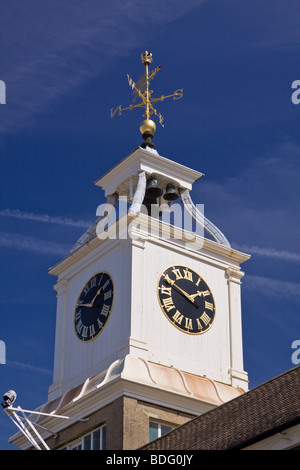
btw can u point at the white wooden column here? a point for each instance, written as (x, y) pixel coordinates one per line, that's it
(238, 376)
(138, 334)
(55, 390)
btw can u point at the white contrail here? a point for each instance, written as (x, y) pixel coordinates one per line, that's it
(269, 252)
(272, 287)
(29, 367)
(32, 244)
(44, 218)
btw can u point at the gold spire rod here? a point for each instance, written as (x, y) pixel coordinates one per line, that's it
(141, 90)
(147, 59)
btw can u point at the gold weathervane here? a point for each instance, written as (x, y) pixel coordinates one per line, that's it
(141, 90)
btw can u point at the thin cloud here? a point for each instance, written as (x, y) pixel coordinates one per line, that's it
(28, 367)
(269, 252)
(282, 31)
(44, 218)
(272, 287)
(35, 244)
(259, 204)
(32, 244)
(76, 41)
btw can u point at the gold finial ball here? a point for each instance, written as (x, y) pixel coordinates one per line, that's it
(148, 126)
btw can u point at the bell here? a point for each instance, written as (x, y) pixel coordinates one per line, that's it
(153, 191)
(170, 194)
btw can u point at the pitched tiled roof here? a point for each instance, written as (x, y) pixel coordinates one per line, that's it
(255, 415)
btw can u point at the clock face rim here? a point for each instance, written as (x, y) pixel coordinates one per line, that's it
(192, 333)
(108, 316)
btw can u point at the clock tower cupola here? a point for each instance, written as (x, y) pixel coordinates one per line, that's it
(149, 324)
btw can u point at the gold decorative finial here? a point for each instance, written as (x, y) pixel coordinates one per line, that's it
(146, 58)
(141, 90)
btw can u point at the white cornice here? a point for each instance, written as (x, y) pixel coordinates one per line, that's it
(187, 242)
(150, 162)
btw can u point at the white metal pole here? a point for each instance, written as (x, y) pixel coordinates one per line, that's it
(34, 430)
(23, 429)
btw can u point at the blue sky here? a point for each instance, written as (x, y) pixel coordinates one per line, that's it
(64, 65)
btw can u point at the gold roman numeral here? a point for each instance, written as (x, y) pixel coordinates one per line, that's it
(188, 275)
(168, 303)
(165, 290)
(177, 273)
(209, 305)
(188, 323)
(178, 317)
(204, 293)
(205, 318)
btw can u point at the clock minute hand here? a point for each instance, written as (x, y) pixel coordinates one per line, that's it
(170, 281)
(91, 304)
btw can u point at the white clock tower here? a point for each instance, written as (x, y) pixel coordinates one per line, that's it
(148, 329)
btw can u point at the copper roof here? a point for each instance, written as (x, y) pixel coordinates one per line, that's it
(157, 376)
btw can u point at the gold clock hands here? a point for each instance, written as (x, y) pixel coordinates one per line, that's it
(170, 281)
(199, 293)
(98, 292)
(91, 304)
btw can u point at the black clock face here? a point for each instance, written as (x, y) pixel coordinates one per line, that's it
(186, 300)
(94, 306)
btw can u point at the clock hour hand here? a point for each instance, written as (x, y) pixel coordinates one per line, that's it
(91, 304)
(199, 293)
(98, 292)
(170, 281)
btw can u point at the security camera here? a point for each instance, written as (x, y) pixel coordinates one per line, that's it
(9, 397)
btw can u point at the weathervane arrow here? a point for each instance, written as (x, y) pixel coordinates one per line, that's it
(141, 90)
